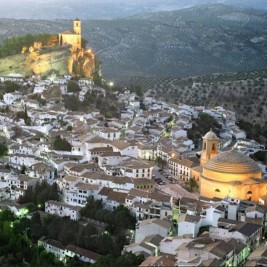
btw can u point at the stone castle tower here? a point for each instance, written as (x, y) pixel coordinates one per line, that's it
(72, 37)
(210, 147)
(77, 27)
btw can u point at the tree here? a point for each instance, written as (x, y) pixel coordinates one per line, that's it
(73, 86)
(3, 149)
(69, 128)
(75, 261)
(201, 126)
(26, 118)
(84, 43)
(123, 219)
(71, 102)
(12, 46)
(40, 194)
(126, 259)
(192, 183)
(61, 144)
(40, 100)
(161, 162)
(136, 89)
(96, 73)
(10, 87)
(23, 169)
(68, 231)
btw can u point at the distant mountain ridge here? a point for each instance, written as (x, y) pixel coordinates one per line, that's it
(191, 42)
(105, 9)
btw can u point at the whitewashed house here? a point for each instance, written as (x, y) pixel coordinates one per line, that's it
(19, 160)
(62, 209)
(10, 98)
(83, 254)
(109, 133)
(52, 246)
(152, 227)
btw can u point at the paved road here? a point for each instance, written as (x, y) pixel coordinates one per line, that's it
(175, 190)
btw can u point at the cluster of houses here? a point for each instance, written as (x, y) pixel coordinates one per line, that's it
(209, 232)
(66, 252)
(113, 160)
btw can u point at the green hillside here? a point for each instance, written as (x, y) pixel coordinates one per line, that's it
(14, 46)
(48, 59)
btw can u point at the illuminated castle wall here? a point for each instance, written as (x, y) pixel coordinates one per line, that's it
(72, 37)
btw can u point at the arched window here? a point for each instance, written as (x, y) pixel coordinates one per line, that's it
(213, 147)
(217, 190)
(249, 195)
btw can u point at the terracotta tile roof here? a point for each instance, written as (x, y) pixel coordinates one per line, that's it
(83, 252)
(120, 144)
(160, 197)
(86, 187)
(101, 149)
(71, 178)
(138, 193)
(52, 242)
(138, 181)
(113, 195)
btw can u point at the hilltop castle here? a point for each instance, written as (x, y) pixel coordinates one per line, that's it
(72, 37)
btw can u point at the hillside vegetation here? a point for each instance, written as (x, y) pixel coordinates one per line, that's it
(190, 42)
(245, 93)
(15, 45)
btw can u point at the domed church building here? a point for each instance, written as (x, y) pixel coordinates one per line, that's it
(229, 173)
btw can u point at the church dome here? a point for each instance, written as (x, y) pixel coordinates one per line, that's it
(210, 135)
(233, 162)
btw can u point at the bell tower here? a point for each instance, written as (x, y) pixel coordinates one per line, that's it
(77, 26)
(209, 147)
